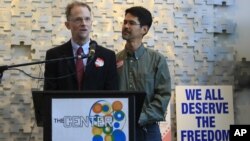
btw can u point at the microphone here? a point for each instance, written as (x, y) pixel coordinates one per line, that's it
(81, 56)
(92, 47)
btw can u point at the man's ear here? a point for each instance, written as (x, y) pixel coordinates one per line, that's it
(145, 30)
(67, 24)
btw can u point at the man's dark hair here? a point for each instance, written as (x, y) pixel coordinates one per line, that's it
(73, 4)
(143, 15)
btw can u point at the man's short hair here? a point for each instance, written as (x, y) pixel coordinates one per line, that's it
(73, 4)
(143, 15)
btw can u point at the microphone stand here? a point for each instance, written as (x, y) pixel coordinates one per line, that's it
(6, 67)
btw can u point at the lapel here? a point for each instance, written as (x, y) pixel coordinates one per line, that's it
(91, 62)
(68, 52)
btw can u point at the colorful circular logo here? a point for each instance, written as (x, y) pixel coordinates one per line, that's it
(108, 120)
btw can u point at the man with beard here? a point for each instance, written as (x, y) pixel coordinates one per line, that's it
(143, 69)
(97, 72)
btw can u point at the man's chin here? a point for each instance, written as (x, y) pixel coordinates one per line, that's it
(125, 37)
(83, 36)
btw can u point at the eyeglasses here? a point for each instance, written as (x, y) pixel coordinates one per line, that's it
(80, 20)
(130, 23)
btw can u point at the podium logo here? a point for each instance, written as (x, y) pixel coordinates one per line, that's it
(239, 132)
(107, 121)
(113, 131)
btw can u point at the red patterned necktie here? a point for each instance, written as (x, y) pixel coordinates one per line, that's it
(79, 68)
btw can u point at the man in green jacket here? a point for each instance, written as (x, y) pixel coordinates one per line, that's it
(143, 69)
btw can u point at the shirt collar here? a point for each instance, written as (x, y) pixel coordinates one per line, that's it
(85, 47)
(136, 54)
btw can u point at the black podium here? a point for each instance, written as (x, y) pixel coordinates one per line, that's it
(88, 115)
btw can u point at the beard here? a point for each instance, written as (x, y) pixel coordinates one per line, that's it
(126, 35)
